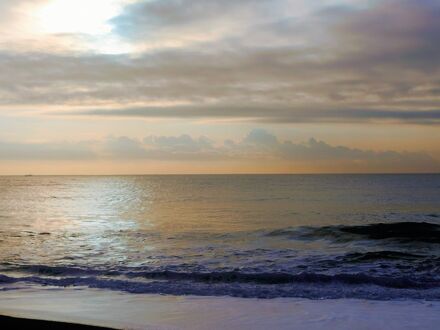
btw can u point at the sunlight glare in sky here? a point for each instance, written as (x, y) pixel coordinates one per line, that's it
(79, 16)
(89, 18)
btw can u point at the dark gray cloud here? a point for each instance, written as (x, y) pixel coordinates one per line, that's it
(394, 32)
(173, 19)
(275, 113)
(257, 145)
(377, 62)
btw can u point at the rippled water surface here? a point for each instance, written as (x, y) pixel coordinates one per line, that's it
(316, 236)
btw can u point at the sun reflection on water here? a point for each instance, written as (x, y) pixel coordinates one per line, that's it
(73, 218)
(185, 220)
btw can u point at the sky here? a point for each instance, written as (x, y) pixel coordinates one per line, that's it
(219, 86)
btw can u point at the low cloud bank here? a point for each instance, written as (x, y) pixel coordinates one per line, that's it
(258, 144)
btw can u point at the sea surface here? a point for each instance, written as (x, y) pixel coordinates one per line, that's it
(252, 236)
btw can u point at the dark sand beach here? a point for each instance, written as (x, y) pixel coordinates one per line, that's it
(8, 322)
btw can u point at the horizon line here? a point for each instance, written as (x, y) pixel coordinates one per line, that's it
(224, 174)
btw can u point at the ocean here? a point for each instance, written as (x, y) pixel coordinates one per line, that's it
(373, 237)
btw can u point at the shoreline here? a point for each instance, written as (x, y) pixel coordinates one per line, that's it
(100, 309)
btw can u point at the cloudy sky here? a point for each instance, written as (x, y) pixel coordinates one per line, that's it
(219, 86)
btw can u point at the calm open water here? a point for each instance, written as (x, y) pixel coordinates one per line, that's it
(313, 236)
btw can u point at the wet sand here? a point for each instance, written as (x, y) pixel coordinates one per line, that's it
(7, 322)
(119, 310)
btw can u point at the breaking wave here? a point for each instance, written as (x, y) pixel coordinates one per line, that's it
(404, 232)
(232, 283)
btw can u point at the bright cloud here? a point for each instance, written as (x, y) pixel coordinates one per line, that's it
(79, 16)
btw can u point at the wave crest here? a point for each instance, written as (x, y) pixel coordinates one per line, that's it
(405, 232)
(307, 285)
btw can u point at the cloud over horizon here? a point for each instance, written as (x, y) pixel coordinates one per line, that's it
(257, 145)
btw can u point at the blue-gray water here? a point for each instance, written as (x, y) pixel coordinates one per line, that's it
(314, 236)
